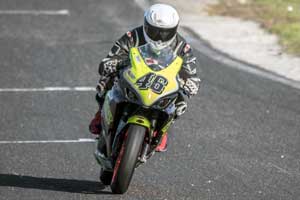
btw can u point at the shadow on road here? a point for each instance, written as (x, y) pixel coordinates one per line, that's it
(63, 185)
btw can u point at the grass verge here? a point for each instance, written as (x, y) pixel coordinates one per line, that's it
(281, 17)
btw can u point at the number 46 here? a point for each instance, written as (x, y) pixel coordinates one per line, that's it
(157, 83)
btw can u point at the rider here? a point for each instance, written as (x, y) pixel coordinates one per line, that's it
(160, 31)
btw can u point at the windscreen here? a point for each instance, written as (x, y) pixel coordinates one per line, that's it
(157, 60)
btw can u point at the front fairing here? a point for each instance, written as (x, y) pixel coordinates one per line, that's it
(151, 84)
(152, 81)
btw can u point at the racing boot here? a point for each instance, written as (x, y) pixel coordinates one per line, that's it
(162, 147)
(95, 125)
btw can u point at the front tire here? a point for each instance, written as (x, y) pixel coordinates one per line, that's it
(126, 161)
(105, 176)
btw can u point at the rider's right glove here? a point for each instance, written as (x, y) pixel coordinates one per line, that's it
(111, 65)
(108, 69)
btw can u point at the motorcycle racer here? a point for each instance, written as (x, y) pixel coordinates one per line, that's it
(159, 30)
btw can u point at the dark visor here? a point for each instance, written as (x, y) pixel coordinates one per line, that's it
(156, 34)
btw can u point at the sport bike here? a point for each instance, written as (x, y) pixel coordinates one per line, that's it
(136, 112)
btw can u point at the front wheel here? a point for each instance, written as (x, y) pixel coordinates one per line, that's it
(126, 161)
(105, 176)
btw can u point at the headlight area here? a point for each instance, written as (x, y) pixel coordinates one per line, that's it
(130, 95)
(163, 103)
(166, 102)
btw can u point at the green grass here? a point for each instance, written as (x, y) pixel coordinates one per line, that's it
(289, 36)
(273, 15)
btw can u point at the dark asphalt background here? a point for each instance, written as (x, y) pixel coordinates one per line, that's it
(239, 140)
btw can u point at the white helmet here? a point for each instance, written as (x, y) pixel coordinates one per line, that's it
(160, 25)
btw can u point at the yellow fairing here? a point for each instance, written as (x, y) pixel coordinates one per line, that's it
(140, 120)
(139, 69)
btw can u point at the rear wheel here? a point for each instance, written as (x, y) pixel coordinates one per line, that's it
(126, 161)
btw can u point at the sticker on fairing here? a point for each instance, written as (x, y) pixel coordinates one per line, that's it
(153, 81)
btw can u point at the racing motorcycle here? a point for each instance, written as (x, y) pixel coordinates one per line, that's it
(136, 112)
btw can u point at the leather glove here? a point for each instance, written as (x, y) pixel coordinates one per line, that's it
(101, 88)
(189, 87)
(112, 65)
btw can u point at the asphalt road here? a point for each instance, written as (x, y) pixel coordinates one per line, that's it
(239, 140)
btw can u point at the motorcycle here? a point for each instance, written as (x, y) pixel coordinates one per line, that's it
(136, 112)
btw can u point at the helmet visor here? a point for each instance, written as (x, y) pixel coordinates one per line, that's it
(159, 34)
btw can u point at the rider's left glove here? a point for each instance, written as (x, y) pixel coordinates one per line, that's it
(189, 87)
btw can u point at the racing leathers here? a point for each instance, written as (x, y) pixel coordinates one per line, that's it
(118, 57)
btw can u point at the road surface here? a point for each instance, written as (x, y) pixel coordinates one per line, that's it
(239, 140)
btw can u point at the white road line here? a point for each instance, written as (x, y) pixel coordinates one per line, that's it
(34, 12)
(48, 89)
(80, 140)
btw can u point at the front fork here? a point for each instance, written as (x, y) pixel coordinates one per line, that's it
(153, 138)
(145, 151)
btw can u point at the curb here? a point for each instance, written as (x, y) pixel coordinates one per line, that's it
(205, 48)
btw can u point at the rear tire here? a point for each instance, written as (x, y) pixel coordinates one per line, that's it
(126, 161)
